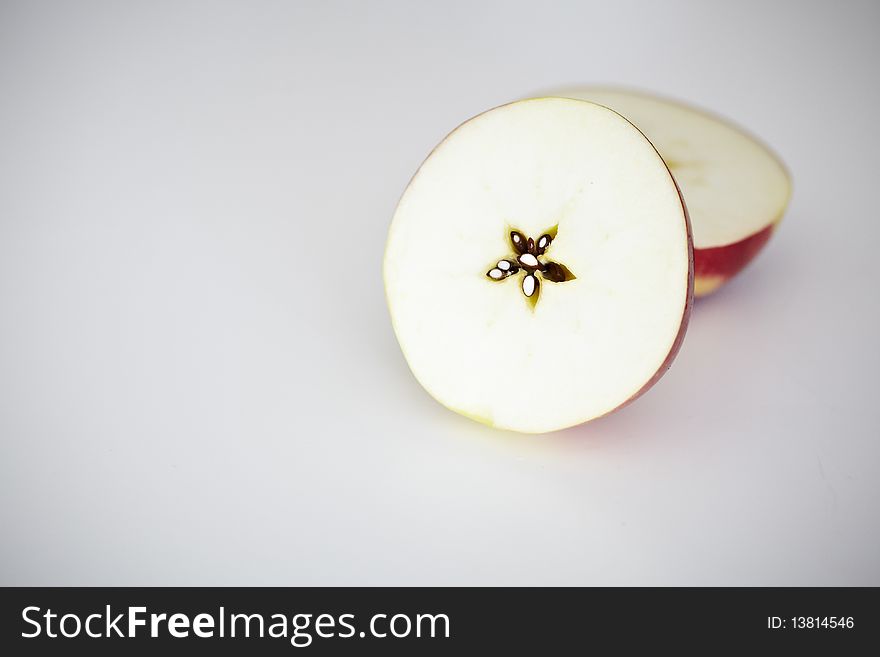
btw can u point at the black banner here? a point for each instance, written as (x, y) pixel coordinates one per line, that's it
(115, 621)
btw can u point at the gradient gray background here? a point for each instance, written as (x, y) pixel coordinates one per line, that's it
(198, 379)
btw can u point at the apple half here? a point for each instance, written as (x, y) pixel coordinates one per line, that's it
(539, 266)
(735, 188)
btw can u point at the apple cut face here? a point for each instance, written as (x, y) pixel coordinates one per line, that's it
(735, 188)
(539, 268)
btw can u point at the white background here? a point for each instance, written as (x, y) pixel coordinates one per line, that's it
(198, 379)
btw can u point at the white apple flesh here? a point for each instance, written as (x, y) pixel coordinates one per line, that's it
(735, 188)
(539, 268)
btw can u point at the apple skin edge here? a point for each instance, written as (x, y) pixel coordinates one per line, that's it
(715, 266)
(685, 317)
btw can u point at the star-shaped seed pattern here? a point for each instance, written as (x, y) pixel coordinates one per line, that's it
(527, 254)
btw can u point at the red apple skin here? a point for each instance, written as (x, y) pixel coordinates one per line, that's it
(715, 266)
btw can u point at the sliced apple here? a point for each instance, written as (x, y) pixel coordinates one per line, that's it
(735, 188)
(539, 268)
